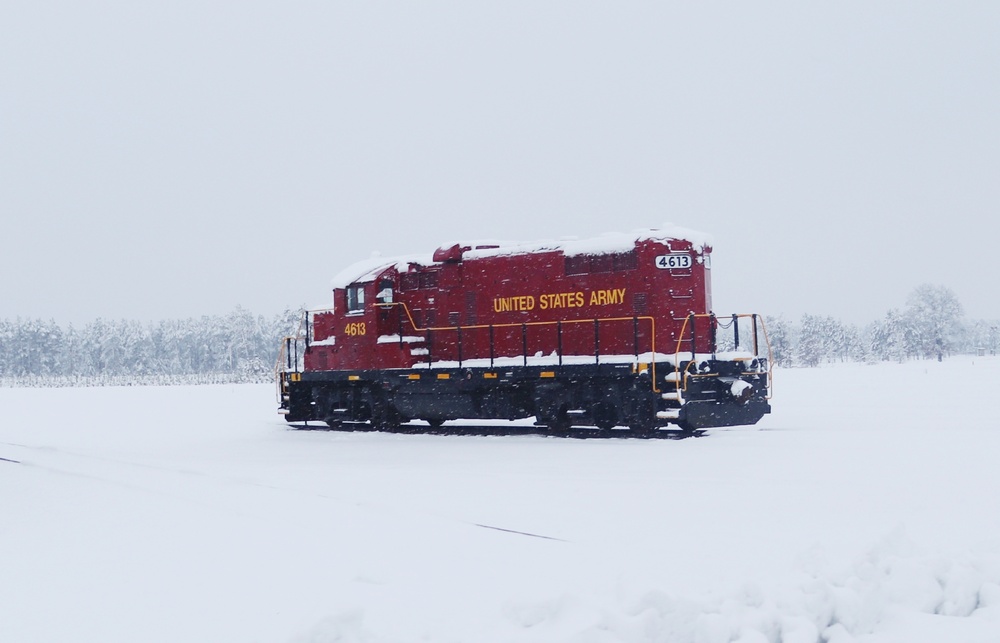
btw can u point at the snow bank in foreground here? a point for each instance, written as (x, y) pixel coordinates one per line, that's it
(894, 593)
(165, 514)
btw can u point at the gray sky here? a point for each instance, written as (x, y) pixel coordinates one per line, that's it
(174, 159)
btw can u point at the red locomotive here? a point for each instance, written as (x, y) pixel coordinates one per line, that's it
(614, 331)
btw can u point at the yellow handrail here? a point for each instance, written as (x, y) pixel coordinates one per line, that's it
(278, 367)
(651, 320)
(691, 362)
(283, 356)
(684, 373)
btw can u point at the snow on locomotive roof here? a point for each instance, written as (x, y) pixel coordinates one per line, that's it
(369, 269)
(608, 243)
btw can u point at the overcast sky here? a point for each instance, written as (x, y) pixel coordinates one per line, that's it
(173, 159)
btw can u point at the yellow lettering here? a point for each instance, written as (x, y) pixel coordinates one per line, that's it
(553, 300)
(601, 297)
(508, 304)
(355, 329)
(598, 298)
(559, 300)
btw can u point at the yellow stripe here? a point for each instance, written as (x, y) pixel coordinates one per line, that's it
(354, 377)
(413, 376)
(444, 376)
(548, 374)
(490, 376)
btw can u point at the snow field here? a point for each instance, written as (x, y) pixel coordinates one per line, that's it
(862, 510)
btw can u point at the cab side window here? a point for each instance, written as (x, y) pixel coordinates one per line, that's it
(355, 298)
(384, 295)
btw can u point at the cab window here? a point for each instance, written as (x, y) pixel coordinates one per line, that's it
(355, 298)
(384, 295)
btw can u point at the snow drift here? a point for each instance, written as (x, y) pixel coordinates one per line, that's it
(861, 510)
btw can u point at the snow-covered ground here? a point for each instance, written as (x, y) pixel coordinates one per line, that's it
(864, 509)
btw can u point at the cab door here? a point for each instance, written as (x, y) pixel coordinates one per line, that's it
(389, 319)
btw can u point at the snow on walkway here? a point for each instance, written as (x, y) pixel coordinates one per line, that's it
(863, 509)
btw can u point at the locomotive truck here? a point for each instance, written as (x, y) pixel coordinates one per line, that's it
(616, 331)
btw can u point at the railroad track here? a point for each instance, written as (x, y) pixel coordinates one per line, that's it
(579, 433)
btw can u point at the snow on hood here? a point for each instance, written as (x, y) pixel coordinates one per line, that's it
(369, 269)
(608, 243)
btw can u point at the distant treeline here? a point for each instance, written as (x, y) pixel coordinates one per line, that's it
(931, 326)
(242, 347)
(237, 347)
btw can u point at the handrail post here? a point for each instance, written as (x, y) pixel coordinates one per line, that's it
(694, 355)
(399, 323)
(597, 342)
(459, 346)
(713, 333)
(755, 348)
(492, 349)
(736, 332)
(559, 350)
(635, 337)
(524, 342)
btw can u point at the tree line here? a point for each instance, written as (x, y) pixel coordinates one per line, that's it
(931, 325)
(242, 347)
(235, 347)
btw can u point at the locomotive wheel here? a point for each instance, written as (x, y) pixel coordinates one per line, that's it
(642, 429)
(385, 416)
(604, 416)
(559, 422)
(435, 423)
(686, 428)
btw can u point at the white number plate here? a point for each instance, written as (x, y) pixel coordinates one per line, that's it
(674, 260)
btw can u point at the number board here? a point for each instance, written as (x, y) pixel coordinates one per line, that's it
(673, 260)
